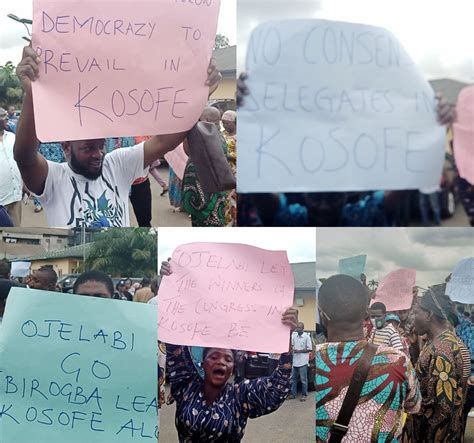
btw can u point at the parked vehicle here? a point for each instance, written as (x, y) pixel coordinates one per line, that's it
(257, 366)
(66, 282)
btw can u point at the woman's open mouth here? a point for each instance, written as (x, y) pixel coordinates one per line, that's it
(219, 372)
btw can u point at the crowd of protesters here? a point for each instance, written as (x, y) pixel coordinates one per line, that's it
(91, 283)
(185, 194)
(420, 383)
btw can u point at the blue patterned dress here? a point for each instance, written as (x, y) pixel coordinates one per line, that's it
(226, 418)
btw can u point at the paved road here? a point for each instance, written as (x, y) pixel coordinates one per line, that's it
(293, 422)
(458, 219)
(162, 212)
(469, 435)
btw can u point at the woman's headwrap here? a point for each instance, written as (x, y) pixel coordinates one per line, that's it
(436, 301)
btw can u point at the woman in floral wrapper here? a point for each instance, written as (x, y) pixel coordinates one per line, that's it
(440, 373)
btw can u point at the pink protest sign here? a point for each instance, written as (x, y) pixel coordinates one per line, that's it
(463, 130)
(114, 68)
(226, 295)
(396, 290)
(177, 159)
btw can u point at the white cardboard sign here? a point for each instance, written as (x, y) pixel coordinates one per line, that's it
(335, 106)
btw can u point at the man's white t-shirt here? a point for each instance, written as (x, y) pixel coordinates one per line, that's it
(11, 185)
(71, 200)
(301, 343)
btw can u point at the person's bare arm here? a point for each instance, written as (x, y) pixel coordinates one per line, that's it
(32, 165)
(159, 145)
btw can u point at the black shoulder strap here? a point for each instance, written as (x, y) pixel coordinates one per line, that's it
(341, 425)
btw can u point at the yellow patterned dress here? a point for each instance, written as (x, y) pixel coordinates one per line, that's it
(231, 210)
(443, 390)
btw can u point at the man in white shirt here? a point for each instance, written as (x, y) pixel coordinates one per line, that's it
(91, 188)
(301, 346)
(11, 186)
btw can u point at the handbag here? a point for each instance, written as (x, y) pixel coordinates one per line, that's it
(341, 425)
(212, 168)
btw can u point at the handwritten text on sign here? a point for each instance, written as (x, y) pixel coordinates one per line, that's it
(120, 68)
(335, 107)
(70, 373)
(396, 290)
(226, 295)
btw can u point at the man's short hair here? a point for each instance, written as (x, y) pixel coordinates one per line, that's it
(145, 281)
(379, 306)
(51, 274)
(5, 268)
(344, 299)
(97, 276)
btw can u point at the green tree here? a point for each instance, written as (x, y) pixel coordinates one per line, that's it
(221, 42)
(373, 285)
(124, 252)
(11, 92)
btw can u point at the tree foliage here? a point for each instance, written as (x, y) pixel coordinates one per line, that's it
(373, 285)
(221, 42)
(124, 253)
(11, 92)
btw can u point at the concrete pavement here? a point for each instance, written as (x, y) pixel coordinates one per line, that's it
(469, 435)
(292, 422)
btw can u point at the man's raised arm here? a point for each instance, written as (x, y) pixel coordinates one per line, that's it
(159, 145)
(32, 165)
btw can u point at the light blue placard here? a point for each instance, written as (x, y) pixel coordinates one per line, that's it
(77, 369)
(353, 266)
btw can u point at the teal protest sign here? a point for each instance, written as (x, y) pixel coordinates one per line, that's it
(77, 369)
(353, 266)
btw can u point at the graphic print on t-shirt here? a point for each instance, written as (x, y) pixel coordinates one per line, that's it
(96, 212)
